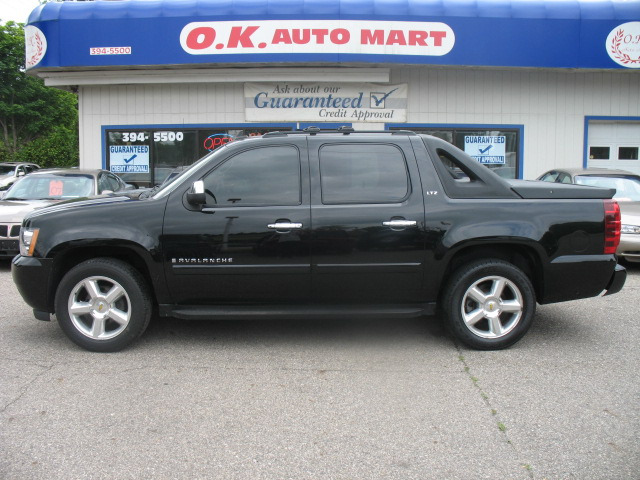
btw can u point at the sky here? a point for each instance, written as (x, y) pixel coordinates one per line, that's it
(16, 10)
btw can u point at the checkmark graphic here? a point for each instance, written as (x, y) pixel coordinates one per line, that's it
(486, 149)
(127, 160)
(379, 97)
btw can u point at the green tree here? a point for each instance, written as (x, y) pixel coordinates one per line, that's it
(37, 123)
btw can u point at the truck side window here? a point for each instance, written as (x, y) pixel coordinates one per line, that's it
(455, 168)
(363, 173)
(261, 176)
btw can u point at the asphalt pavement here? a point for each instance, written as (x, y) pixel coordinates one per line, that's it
(339, 399)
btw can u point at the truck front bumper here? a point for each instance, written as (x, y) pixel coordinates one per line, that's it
(32, 276)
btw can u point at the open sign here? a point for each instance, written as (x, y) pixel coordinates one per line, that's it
(217, 140)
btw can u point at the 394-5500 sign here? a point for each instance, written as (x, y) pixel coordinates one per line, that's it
(110, 51)
(168, 136)
(157, 136)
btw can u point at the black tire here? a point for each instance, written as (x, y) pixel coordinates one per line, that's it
(489, 304)
(93, 320)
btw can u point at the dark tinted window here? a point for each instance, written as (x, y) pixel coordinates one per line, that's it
(262, 176)
(599, 153)
(628, 153)
(362, 173)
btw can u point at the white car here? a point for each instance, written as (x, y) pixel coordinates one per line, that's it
(12, 171)
(46, 187)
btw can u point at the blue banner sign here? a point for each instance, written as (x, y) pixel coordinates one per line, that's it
(602, 34)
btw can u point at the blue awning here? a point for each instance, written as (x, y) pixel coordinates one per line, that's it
(507, 33)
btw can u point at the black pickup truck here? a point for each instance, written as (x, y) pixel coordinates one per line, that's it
(314, 224)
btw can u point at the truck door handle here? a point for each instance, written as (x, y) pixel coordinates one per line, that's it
(397, 223)
(285, 226)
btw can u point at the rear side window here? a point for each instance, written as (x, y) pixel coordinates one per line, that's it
(363, 173)
(454, 167)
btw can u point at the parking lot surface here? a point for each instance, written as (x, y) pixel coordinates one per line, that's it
(340, 399)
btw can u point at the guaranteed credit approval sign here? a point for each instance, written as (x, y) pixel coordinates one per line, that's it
(317, 36)
(325, 102)
(488, 150)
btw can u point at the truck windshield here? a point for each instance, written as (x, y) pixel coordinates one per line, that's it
(627, 188)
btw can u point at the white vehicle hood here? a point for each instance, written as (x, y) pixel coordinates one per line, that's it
(13, 211)
(5, 179)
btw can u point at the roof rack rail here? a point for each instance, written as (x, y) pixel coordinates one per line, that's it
(345, 130)
(240, 137)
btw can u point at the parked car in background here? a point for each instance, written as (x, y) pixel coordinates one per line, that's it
(12, 171)
(46, 187)
(627, 187)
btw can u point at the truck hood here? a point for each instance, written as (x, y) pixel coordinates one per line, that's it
(85, 202)
(13, 211)
(534, 189)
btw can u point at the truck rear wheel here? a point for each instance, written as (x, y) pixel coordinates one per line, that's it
(489, 304)
(103, 304)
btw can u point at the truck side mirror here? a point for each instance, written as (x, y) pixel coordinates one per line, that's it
(196, 195)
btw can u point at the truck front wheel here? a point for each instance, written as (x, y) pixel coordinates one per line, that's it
(103, 304)
(489, 304)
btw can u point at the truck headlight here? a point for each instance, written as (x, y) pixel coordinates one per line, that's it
(28, 239)
(630, 229)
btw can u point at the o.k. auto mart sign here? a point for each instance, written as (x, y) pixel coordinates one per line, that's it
(317, 36)
(325, 102)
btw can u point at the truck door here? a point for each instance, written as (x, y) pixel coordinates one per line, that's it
(367, 219)
(250, 242)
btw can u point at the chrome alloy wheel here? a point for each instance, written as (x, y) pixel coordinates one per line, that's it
(99, 308)
(492, 307)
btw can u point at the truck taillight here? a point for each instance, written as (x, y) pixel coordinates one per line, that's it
(612, 225)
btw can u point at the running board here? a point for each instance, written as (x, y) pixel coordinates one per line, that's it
(275, 312)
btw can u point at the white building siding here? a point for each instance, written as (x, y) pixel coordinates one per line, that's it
(551, 105)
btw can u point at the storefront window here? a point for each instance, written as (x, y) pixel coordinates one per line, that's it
(495, 149)
(145, 157)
